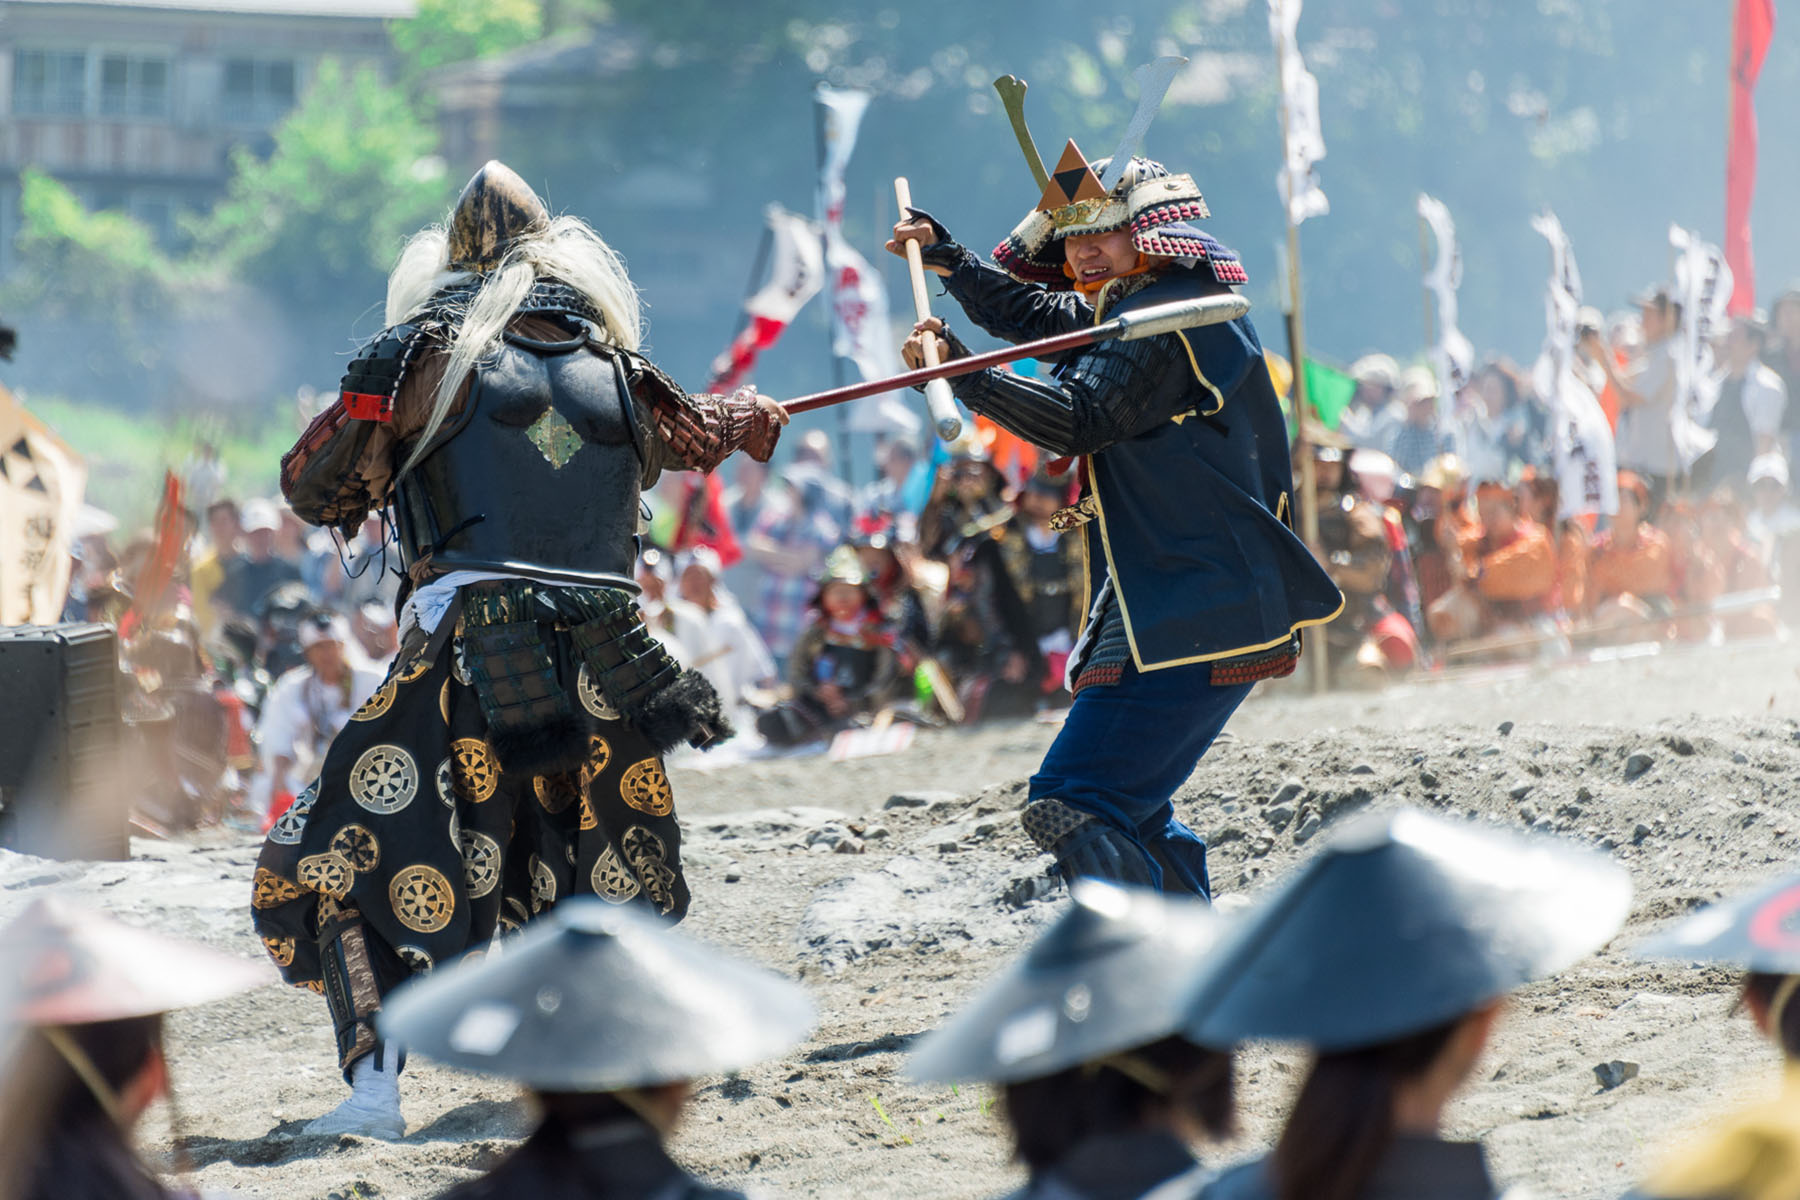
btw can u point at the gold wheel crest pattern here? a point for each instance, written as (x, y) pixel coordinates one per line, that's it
(543, 885)
(270, 890)
(328, 874)
(377, 704)
(647, 856)
(287, 830)
(384, 780)
(281, 950)
(421, 898)
(358, 846)
(554, 792)
(481, 863)
(473, 772)
(646, 788)
(592, 698)
(611, 880)
(589, 820)
(415, 667)
(599, 757)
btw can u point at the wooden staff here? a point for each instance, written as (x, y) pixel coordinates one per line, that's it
(944, 416)
(1149, 321)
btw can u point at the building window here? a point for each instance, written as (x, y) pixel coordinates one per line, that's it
(49, 83)
(133, 85)
(258, 90)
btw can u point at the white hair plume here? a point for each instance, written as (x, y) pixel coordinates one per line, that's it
(569, 252)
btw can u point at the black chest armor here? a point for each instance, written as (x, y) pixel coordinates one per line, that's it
(538, 475)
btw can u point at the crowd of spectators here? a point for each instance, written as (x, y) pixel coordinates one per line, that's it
(941, 591)
(1444, 523)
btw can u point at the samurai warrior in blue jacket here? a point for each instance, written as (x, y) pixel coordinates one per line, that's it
(1198, 586)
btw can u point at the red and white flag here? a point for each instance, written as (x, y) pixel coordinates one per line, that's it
(796, 273)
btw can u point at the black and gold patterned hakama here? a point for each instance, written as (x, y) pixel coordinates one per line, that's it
(413, 827)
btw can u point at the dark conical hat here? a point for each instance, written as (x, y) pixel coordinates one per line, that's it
(66, 965)
(595, 998)
(1757, 930)
(1112, 974)
(495, 209)
(1402, 923)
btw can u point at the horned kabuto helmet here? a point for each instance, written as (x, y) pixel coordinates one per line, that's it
(1120, 192)
(496, 209)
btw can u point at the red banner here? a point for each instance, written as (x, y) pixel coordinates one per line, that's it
(1752, 29)
(703, 520)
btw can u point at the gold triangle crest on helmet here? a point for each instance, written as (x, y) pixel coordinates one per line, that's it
(1120, 192)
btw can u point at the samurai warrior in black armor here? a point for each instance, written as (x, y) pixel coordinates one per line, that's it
(513, 755)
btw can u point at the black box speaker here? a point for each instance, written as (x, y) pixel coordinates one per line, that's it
(64, 788)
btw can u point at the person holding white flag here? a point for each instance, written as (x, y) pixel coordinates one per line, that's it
(1646, 391)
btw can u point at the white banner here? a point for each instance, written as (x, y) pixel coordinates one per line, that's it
(1297, 180)
(1562, 306)
(1453, 357)
(840, 114)
(860, 332)
(1582, 451)
(796, 267)
(1702, 288)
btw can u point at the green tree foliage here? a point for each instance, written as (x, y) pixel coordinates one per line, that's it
(82, 264)
(447, 31)
(353, 173)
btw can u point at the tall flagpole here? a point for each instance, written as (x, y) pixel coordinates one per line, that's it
(1309, 495)
(1425, 262)
(831, 292)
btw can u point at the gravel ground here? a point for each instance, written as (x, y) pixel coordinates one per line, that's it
(894, 886)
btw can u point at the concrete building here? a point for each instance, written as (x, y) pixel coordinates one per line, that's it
(138, 104)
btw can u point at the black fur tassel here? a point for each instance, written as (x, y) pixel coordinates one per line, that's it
(557, 746)
(688, 710)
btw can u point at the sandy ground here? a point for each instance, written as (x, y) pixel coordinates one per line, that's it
(894, 911)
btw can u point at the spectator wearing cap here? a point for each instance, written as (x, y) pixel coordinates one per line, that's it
(608, 1017)
(307, 707)
(1752, 1154)
(1505, 568)
(1631, 572)
(1645, 438)
(1784, 355)
(1747, 414)
(1417, 439)
(1391, 955)
(844, 665)
(259, 569)
(1353, 547)
(1101, 1092)
(86, 1057)
(722, 643)
(1372, 415)
(1592, 353)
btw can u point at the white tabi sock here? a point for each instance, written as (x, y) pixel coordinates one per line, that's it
(373, 1109)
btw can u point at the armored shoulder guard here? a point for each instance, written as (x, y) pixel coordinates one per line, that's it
(320, 476)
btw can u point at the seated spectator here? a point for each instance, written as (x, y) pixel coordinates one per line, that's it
(909, 588)
(712, 626)
(1504, 567)
(843, 667)
(1631, 573)
(1372, 414)
(1773, 524)
(1353, 547)
(1418, 439)
(1046, 567)
(1732, 568)
(659, 606)
(1439, 520)
(984, 638)
(1539, 499)
(968, 490)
